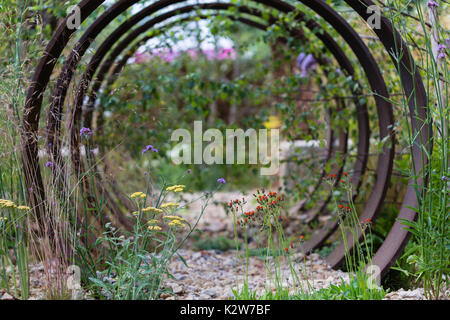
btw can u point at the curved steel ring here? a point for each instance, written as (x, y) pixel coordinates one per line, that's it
(411, 81)
(321, 236)
(108, 43)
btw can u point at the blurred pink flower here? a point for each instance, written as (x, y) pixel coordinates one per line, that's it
(140, 57)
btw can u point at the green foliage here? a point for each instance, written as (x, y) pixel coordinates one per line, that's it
(356, 289)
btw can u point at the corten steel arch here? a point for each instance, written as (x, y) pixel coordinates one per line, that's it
(411, 81)
(345, 64)
(107, 44)
(99, 55)
(328, 229)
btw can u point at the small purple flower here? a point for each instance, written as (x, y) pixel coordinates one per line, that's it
(221, 180)
(432, 4)
(441, 51)
(155, 150)
(147, 148)
(444, 178)
(300, 59)
(86, 132)
(306, 63)
(188, 171)
(49, 164)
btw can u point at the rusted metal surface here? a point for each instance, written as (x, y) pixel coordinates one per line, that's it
(344, 63)
(101, 52)
(109, 42)
(411, 81)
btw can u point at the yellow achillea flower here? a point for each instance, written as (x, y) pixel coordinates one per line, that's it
(154, 228)
(153, 221)
(23, 208)
(177, 223)
(137, 195)
(169, 204)
(152, 209)
(176, 188)
(6, 204)
(3, 218)
(174, 218)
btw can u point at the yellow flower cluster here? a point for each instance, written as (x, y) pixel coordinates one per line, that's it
(6, 204)
(24, 208)
(152, 209)
(9, 204)
(3, 219)
(169, 204)
(154, 228)
(176, 223)
(137, 195)
(153, 221)
(174, 218)
(176, 188)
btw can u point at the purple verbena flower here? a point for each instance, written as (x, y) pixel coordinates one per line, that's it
(155, 150)
(441, 47)
(441, 55)
(221, 180)
(444, 178)
(147, 148)
(306, 63)
(432, 4)
(49, 164)
(86, 132)
(188, 171)
(300, 59)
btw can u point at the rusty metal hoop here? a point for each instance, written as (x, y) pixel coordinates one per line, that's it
(389, 37)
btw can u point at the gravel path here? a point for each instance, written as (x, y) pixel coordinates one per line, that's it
(211, 274)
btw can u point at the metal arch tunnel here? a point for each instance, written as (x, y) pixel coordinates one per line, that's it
(328, 230)
(361, 158)
(389, 37)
